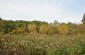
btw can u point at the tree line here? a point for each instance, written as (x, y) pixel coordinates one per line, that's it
(42, 27)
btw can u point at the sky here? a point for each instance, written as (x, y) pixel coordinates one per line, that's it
(43, 10)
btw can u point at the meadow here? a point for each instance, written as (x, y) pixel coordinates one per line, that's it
(42, 27)
(41, 38)
(42, 44)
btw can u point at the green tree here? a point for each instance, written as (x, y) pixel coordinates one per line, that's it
(74, 28)
(55, 23)
(83, 19)
(1, 26)
(9, 26)
(1, 19)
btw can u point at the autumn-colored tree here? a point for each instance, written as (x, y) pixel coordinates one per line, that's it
(20, 26)
(62, 29)
(43, 29)
(31, 28)
(51, 29)
(19, 30)
(74, 29)
(82, 28)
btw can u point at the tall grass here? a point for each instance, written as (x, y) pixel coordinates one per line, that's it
(40, 44)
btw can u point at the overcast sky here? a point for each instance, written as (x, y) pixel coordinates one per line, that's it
(43, 10)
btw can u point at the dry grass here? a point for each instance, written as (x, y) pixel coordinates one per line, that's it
(41, 44)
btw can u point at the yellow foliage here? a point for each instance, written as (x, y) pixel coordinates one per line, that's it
(43, 29)
(82, 27)
(63, 29)
(19, 30)
(51, 30)
(32, 28)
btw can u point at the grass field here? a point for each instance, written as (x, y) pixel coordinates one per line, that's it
(41, 44)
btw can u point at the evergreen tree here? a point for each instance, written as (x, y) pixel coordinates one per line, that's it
(0, 18)
(83, 20)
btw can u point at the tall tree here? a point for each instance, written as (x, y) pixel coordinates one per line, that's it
(55, 23)
(0, 18)
(83, 20)
(8, 26)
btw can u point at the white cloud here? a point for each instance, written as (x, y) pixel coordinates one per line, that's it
(47, 10)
